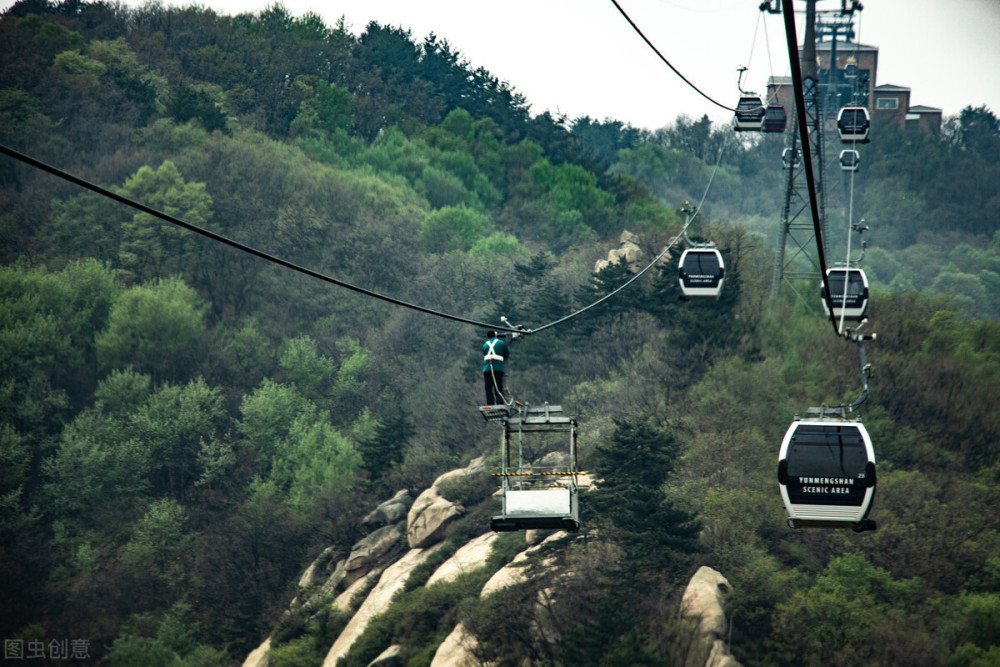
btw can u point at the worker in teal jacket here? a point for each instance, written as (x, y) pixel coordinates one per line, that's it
(495, 352)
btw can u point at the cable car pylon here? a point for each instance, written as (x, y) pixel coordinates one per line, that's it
(797, 233)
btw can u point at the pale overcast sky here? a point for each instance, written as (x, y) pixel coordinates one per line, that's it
(580, 57)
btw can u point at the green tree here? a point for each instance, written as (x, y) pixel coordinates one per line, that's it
(99, 469)
(453, 228)
(154, 552)
(151, 247)
(21, 118)
(157, 329)
(47, 324)
(972, 618)
(384, 448)
(978, 132)
(573, 192)
(629, 503)
(312, 458)
(176, 424)
(311, 372)
(139, 85)
(855, 613)
(267, 415)
(200, 103)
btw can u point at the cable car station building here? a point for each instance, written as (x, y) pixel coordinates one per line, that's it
(855, 69)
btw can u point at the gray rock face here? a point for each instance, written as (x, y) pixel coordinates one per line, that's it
(628, 250)
(389, 658)
(428, 518)
(390, 511)
(371, 547)
(704, 603)
(391, 582)
(431, 512)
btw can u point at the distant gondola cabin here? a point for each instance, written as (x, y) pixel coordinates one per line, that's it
(775, 119)
(749, 114)
(848, 293)
(854, 124)
(850, 160)
(790, 158)
(701, 272)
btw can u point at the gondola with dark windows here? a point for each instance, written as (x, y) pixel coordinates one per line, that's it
(790, 158)
(826, 472)
(701, 271)
(854, 124)
(850, 160)
(848, 296)
(775, 119)
(750, 113)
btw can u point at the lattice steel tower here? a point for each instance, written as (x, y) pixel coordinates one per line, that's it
(796, 241)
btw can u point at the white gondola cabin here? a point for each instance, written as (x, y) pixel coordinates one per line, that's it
(775, 119)
(848, 293)
(701, 271)
(750, 114)
(853, 124)
(826, 473)
(850, 160)
(790, 158)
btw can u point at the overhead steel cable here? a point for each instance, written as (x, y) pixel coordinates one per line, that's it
(127, 201)
(667, 62)
(792, 40)
(104, 192)
(656, 259)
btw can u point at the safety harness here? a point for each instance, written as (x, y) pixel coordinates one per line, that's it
(491, 353)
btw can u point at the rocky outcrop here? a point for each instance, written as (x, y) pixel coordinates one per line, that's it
(343, 602)
(369, 556)
(469, 557)
(391, 511)
(456, 650)
(391, 657)
(312, 574)
(515, 571)
(370, 548)
(392, 581)
(628, 250)
(431, 512)
(380, 565)
(704, 603)
(258, 657)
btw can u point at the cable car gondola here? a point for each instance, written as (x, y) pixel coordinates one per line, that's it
(850, 160)
(826, 472)
(852, 304)
(853, 124)
(701, 271)
(749, 114)
(775, 119)
(790, 158)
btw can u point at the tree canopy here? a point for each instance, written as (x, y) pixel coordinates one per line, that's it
(185, 427)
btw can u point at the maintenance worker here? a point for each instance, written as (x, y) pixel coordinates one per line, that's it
(495, 352)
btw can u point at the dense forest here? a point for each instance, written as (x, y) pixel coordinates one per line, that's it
(185, 427)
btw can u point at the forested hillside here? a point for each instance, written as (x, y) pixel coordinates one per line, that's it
(184, 427)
